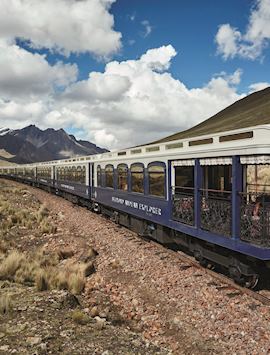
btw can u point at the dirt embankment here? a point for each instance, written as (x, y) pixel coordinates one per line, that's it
(45, 266)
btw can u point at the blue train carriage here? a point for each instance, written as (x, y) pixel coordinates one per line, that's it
(30, 174)
(44, 173)
(72, 178)
(23, 173)
(209, 194)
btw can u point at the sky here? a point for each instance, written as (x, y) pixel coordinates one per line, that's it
(125, 72)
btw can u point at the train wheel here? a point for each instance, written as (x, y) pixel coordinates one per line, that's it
(236, 275)
(252, 281)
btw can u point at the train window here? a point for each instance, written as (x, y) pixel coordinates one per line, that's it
(122, 177)
(184, 177)
(258, 178)
(109, 176)
(98, 175)
(217, 177)
(73, 173)
(80, 174)
(156, 173)
(44, 172)
(137, 178)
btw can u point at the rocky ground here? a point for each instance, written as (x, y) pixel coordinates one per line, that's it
(138, 300)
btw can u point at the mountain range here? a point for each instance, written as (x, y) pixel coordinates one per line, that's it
(31, 144)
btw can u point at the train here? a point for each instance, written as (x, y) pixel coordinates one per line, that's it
(207, 194)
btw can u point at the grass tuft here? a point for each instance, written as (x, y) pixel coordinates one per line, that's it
(79, 317)
(5, 304)
(10, 265)
(42, 281)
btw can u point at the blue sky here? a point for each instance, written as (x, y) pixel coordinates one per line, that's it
(190, 27)
(111, 70)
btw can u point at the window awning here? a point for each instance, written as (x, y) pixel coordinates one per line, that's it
(187, 162)
(255, 159)
(216, 161)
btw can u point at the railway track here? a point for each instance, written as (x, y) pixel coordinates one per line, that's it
(187, 261)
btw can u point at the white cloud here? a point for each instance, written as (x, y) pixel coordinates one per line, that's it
(147, 28)
(61, 25)
(250, 44)
(258, 86)
(227, 39)
(159, 58)
(131, 102)
(147, 103)
(24, 74)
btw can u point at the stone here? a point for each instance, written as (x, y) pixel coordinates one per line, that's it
(69, 301)
(34, 340)
(100, 323)
(4, 348)
(94, 312)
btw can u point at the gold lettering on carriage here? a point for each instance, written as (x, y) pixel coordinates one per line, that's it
(138, 206)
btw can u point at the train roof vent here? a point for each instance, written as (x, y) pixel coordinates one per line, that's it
(136, 151)
(121, 153)
(235, 137)
(152, 149)
(200, 142)
(174, 145)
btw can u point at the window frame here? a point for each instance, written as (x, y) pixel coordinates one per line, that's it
(133, 165)
(99, 176)
(105, 176)
(117, 177)
(163, 165)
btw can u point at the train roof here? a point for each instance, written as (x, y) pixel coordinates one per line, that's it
(252, 110)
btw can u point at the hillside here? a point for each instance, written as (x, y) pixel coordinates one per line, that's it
(252, 110)
(31, 144)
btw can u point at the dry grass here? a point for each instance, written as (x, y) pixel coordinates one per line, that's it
(76, 283)
(10, 265)
(42, 280)
(79, 317)
(21, 217)
(43, 271)
(5, 304)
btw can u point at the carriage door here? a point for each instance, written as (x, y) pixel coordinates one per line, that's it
(216, 195)
(183, 191)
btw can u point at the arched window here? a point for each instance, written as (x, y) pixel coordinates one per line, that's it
(137, 178)
(156, 174)
(109, 176)
(79, 175)
(74, 173)
(122, 177)
(83, 175)
(98, 175)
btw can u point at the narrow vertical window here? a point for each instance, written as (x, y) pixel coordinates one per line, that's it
(98, 176)
(109, 176)
(156, 175)
(122, 177)
(137, 178)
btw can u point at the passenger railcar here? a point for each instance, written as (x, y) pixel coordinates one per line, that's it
(209, 194)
